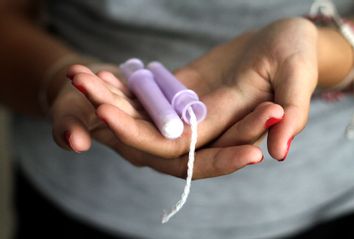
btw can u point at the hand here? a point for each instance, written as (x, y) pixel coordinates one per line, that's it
(244, 77)
(277, 63)
(74, 112)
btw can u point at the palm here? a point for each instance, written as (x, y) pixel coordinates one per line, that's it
(278, 63)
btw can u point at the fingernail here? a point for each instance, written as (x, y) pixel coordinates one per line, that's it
(103, 119)
(67, 136)
(80, 88)
(70, 76)
(272, 121)
(251, 163)
(287, 149)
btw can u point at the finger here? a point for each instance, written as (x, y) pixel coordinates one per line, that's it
(210, 162)
(252, 126)
(223, 161)
(281, 135)
(70, 133)
(106, 76)
(141, 134)
(214, 162)
(119, 88)
(114, 82)
(76, 69)
(78, 74)
(93, 88)
(97, 93)
(293, 90)
(71, 115)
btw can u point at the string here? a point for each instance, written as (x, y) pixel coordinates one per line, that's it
(191, 158)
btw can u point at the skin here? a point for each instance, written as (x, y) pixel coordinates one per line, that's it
(268, 73)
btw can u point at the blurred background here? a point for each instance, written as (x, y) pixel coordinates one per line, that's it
(5, 178)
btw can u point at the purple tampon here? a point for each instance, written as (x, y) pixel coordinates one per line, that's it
(142, 84)
(177, 94)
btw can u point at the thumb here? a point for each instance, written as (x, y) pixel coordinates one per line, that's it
(293, 88)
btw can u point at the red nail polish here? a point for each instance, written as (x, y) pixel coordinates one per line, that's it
(251, 163)
(80, 88)
(287, 148)
(272, 121)
(70, 76)
(67, 136)
(103, 120)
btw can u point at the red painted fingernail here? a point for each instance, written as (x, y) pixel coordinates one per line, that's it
(272, 121)
(103, 119)
(251, 163)
(287, 149)
(67, 136)
(80, 88)
(70, 76)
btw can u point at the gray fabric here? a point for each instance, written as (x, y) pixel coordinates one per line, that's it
(315, 183)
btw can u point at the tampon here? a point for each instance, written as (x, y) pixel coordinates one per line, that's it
(177, 94)
(142, 84)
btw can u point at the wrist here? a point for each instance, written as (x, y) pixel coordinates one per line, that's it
(335, 57)
(335, 44)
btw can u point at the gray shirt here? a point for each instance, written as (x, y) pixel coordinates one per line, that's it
(271, 199)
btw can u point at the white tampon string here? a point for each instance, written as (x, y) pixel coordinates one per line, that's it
(191, 158)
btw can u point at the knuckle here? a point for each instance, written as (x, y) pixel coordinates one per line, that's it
(219, 169)
(268, 108)
(73, 69)
(104, 73)
(83, 78)
(179, 148)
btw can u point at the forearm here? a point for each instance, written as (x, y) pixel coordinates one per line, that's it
(335, 57)
(26, 52)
